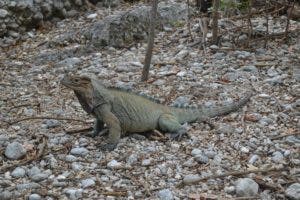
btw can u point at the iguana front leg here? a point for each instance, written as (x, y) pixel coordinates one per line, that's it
(113, 124)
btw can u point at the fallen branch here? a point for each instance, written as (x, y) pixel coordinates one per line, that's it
(73, 131)
(46, 117)
(41, 150)
(233, 173)
(285, 135)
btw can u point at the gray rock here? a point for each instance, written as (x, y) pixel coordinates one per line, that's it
(18, 172)
(51, 123)
(87, 183)
(76, 166)
(73, 194)
(15, 151)
(277, 157)
(191, 178)
(202, 159)
(293, 191)
(246, 187)
(133, 25)
(219, 55)
(249, 68)
(275, 80)
(133, 158)
(39, 177)
(224, 129)
(3, 13)
(165, 194)
(28, 186)
(33, 171)
(6, 195)
(210, 154)
(70, 158)
(79, 151)
(34, 197)
(196, 152)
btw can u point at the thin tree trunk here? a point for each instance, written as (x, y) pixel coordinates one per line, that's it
(148, 56)
(215, 21)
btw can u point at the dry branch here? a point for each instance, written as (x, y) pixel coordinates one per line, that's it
(46, 117)
(233, 173)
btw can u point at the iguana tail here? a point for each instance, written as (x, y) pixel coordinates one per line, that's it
(200, 114)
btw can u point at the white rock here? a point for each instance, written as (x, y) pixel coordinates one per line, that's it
(165, 194)
(114, 164)
(34, 197)
(92, 16)
(246, 187)
(87, 183)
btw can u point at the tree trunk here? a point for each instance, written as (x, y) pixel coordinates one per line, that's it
(215, 21)
(148, 56)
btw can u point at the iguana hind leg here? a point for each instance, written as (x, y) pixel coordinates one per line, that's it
(169, 123)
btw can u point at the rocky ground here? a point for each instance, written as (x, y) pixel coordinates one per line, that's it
(44, 159)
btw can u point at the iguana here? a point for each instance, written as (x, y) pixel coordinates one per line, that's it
(123, 111)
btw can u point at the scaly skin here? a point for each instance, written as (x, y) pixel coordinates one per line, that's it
(123, 111)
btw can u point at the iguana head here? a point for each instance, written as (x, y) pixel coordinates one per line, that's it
(79, 84)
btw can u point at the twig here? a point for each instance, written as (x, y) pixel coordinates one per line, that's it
(267, 185)
(24, 105)
(233, 173)
(288, 20)
(72, 131)
(285, 135)
(41, 151)
(46, 117)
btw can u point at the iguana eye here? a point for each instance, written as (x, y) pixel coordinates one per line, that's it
(76, 80)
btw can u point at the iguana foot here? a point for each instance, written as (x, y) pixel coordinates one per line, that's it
(108, 147)
(101, 133)
(179, 133)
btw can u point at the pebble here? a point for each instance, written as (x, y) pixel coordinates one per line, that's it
(293, 191)
(6, 195)
(229, 189)
(249, 68)
(79, 151)
(92, 16)
(18, 172)
(202, 159)
(70, 158)
(196, 152)
(165, 194)
(253, 159)
(28, 186)
(246, 187)
(34, 197)
(51, 123)
(15, 151)
(87, 183)
(146, 162)
(114, 165)
(3, 13)
(39, 177)
(33, 170)
(76, 166)
(277, 157)
(73, 194)
(191, 178)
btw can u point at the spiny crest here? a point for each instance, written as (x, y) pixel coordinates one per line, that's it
(185, 106)
(141, 94)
